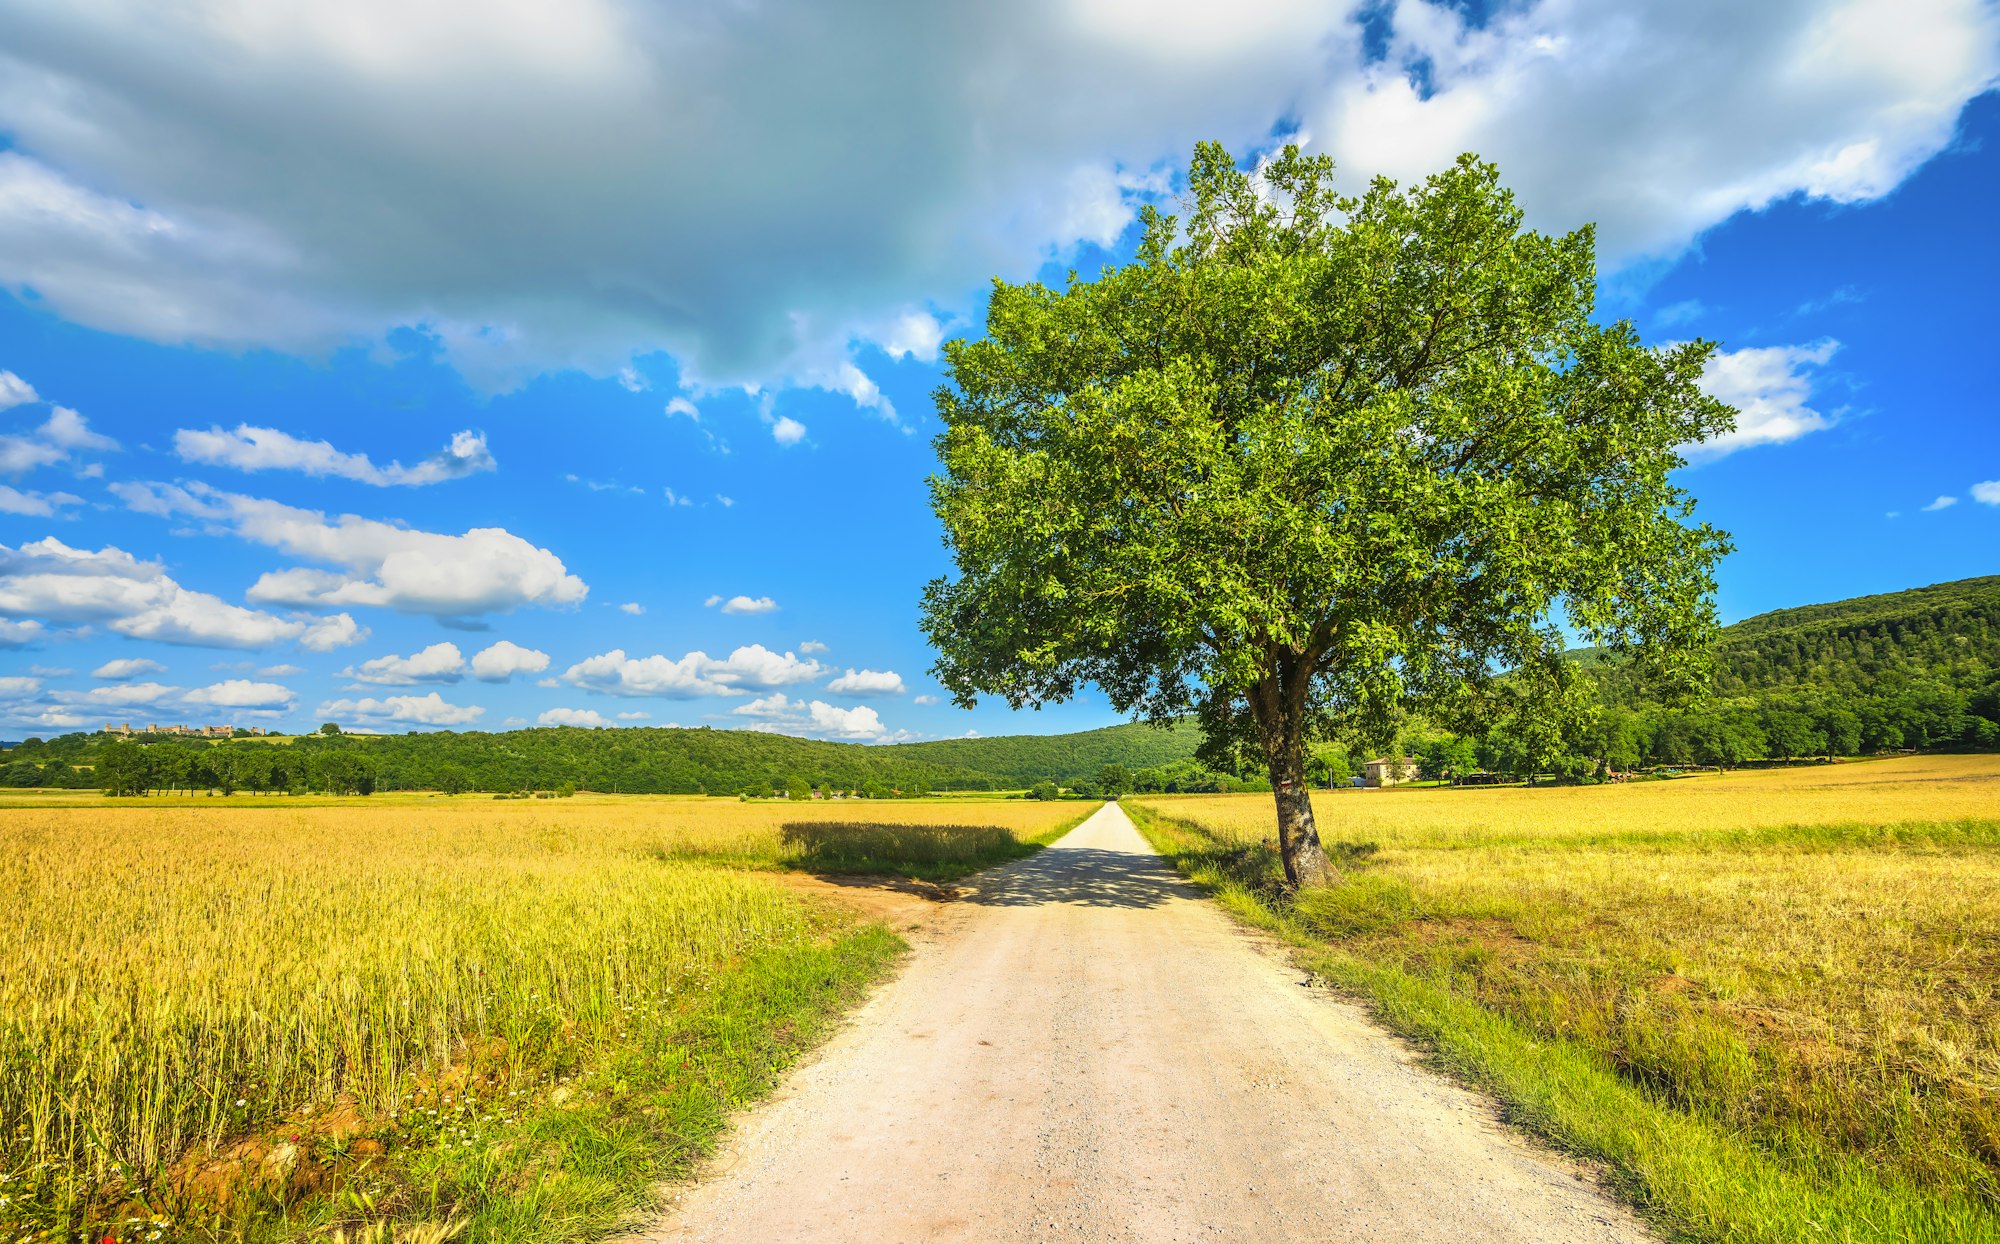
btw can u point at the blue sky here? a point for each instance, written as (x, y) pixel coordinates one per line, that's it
(596, 343)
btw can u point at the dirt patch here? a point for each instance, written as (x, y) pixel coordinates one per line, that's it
(898, 902)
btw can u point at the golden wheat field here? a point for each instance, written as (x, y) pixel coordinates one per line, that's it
(176, 973)
(1807, 956)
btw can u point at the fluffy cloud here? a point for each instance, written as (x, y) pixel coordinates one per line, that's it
(925, 699)
(867, 682)
(441, 662)
(488, 569)
(812, 647)
(1987, 493)
(248, 448)
(19, 634)
(58, 438)
(127, 667)
(34, 504)
(787, 431)
(695, 674)
(412, 710)
(778, 715)
(574, 717)
(1942, 503)
(156, 203)
(1769, 387)
(242, 693)
(48, 581)
(504, 660)
(632, 607)
(743, 604)
(15, 391)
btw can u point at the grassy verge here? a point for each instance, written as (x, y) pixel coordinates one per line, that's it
(1714, 1136)
(923, 852)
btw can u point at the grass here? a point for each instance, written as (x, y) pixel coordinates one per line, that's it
(1770, 1001)
(220, 1020)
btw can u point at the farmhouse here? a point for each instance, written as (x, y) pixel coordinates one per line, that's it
(1388, 771)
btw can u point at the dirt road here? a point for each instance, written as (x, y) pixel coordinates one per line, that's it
(1084, 1049)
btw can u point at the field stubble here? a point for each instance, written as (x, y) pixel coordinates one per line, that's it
(1807, 958)
(408, 983)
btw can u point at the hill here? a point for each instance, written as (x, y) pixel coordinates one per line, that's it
(1914, 669)
(631, 761)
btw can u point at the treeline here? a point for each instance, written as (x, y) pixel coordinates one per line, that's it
(631, 761)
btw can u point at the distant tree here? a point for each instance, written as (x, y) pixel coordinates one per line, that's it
(1789, 734)
(1446, 757)
(454, 779)
(331, 727)
(798, 789)
(1311, 460)
(1113, 781)
(123, 770)
(1045, 791)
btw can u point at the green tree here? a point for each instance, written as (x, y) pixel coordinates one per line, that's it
(330, 728)
(1445, 757)
(453, 779)
(1113, 781)
(1045, 791)
(798, 789)
(124, 769)
(1311, 459)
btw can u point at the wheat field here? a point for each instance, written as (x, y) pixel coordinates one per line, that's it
(1809, 957)
(178, 973)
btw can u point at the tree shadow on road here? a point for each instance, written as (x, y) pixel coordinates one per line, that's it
(1085, 876)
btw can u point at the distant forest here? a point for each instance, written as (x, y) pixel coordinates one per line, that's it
(629, 761)
(1914, 670)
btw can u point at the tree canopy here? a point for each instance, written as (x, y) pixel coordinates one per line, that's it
(1311, 459)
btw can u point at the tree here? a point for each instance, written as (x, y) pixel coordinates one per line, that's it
(1114, 780)
(1445, 757)
(453, 779)
(330, 728)
(1044, 790)
(1311, 459)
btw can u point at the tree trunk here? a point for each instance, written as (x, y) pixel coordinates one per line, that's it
(1306, 862)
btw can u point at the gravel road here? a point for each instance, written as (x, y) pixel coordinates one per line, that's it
(1082, 1048)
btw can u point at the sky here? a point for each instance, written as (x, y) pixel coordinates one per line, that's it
(438, 364)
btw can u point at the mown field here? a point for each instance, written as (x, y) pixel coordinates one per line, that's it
(1770, 1001)
(503, 1019)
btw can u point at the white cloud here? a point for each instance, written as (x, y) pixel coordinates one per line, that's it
(724, 502)
(127, 667)
(631, 381)
(1942, 503)
(57, 439)
(925, 699)
(744, 604)
(574, 717)
(279, 671)
(681, 406)
(416, 710)
(441, 662)
(635, 715)
(1987, 493)
(242, 693)
(19, 634)
(156, 204)
(337, 630)
(48, 581)
(787, 430)
(249, 448)
(34, 504)
(675, 498)
(15, 391)
(695, 674)
(503, 660)
(632, 607)
(812, 647)
(487, 569)
(777, 714)
(867, 682)
(1769, 386)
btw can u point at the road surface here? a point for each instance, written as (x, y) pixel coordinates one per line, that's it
(1082, 1048)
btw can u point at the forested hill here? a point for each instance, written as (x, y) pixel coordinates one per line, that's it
(1945, 636)
(1916, 669)
(633, 761)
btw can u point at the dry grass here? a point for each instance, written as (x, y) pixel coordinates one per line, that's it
(1809, 957)
(181, 972)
